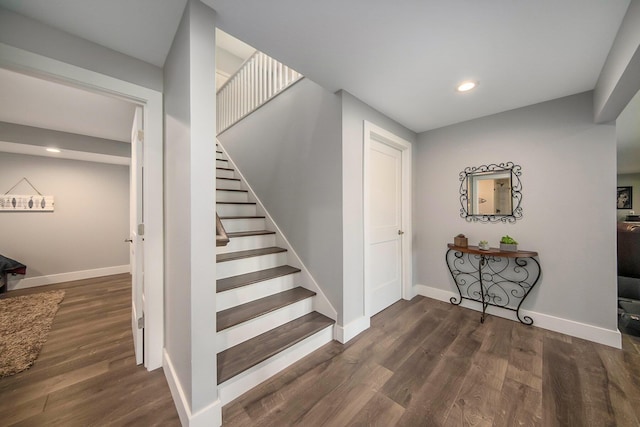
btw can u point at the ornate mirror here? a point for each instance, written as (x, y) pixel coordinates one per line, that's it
(491, 193)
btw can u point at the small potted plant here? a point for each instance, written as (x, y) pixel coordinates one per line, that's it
(483, 245)
(507, 243)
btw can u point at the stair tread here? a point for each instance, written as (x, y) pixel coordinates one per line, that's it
(235, 203)
(224, 169)
(244, 312)
(243, 217)
(243, 356)
(229, 179)
(234, 282)
(230, 256)
(228, 189)
(249, 233)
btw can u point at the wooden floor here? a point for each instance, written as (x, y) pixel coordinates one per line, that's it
(422, 363)
(86, 373)
(428, 363)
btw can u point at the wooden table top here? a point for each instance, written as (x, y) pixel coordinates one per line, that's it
(493, 252)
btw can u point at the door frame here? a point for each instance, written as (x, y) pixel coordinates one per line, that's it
(372, 131)
(151, 100)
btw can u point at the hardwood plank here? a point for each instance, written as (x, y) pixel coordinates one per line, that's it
(243, 356)
(254, 277)
(86, 372)
(379, 411)
(241, 313)
(561, 389)
(230, 256)
(520, 405)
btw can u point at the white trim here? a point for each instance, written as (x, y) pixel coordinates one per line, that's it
(51, 69)
(347, 332)
(209, 416)
(382, 135)
(321, 303)
(609, 337)
(15, 282)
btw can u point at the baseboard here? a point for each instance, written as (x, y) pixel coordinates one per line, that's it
(609, 337)
(349, 331)
(51, 279)
(210, 416)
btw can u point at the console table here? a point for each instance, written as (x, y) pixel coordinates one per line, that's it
(493, 277)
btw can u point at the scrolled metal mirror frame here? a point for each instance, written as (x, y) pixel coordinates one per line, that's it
(516, 193)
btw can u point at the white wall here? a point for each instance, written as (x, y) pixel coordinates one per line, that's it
(630, 180)
(289, 151)
(88, 227)
(25, 33)
(569, 179)
(190, 320)
(354, 113)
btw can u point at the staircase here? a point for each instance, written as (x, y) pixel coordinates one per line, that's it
(265, 319)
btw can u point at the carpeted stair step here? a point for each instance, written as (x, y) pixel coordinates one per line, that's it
(241, 357)
(242, 313)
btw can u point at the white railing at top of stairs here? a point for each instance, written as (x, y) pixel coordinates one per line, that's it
(258, 80)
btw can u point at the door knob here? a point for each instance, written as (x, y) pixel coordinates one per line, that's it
(128, 240)
(400, 232)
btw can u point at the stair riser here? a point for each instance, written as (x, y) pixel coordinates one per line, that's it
(247, 265)
(254, 327)
(234, 387)
(245, 294)
(231, 196)
(225, 174)
(228, 184)
(244, 224)
(236, 210)
(222, 163)
(245, 243)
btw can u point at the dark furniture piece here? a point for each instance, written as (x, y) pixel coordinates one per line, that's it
(629, 276)
(9, 266)
(493, 277)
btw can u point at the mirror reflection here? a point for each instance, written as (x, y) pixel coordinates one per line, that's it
(491, 193)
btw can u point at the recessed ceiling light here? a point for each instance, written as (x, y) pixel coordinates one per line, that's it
(53, 150)
(466, 86)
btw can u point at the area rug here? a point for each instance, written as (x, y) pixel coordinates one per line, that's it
(25, 322)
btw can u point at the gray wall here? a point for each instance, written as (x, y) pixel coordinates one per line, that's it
(569, 179)
(25, 33)
(618, 81)
(190, 321)
(11, 132)
(90, 222)
(290, 153)
(354, 112)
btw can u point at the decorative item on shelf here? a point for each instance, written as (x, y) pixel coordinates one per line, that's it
(483, 245)
(508, 244)
(461, 241)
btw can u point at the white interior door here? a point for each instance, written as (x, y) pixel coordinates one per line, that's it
(136, 236)
(384, 240)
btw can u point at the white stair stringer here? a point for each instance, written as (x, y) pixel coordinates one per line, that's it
(236, 386)
(321, 303)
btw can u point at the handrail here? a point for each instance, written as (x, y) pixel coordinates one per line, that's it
(258, 80)
(221, 235)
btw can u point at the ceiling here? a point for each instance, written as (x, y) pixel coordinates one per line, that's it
(402, 58)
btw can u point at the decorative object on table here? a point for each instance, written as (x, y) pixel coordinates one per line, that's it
(483, 245)
(461, 241)
(25, 202)
(491, 193)
(25, 322)
(508, 244)
(498, 278)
